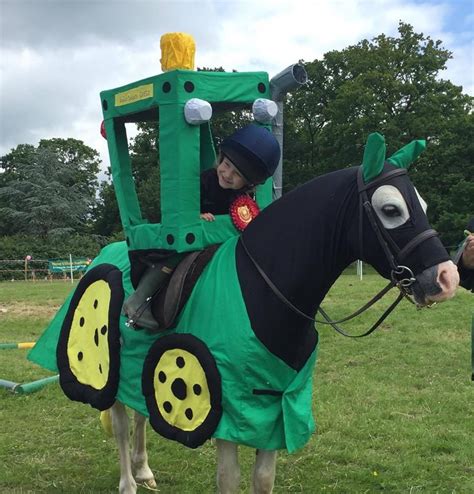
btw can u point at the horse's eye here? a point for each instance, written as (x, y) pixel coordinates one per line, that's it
(391, 211)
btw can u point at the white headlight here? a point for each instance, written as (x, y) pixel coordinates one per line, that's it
(197, 111)
(264, 110)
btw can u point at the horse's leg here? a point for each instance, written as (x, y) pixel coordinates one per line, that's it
(120, 427)
(263, 477)
(228, 469)
(141, 470)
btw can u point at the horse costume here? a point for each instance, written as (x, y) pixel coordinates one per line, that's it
(238, 364)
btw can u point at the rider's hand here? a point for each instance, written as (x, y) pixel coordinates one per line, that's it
(207, 216)
(468, 254)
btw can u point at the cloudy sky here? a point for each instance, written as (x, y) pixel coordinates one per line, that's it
(57, 55)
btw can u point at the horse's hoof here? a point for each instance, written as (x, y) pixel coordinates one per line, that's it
(149, 484)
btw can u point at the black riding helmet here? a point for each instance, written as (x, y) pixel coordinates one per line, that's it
(254, 151)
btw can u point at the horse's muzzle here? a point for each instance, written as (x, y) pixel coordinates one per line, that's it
(436, 284)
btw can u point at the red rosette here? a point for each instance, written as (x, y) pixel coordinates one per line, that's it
(242, 211)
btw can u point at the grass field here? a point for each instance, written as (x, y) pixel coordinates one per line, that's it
(394, 411)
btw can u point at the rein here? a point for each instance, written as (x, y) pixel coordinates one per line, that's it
(401, 276)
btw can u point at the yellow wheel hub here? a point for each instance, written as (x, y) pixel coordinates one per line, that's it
(181, 390)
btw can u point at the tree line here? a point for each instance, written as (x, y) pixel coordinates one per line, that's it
(392, 85)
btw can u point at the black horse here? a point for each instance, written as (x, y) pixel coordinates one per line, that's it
(238, 366)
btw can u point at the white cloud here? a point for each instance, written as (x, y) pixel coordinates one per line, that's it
(57, 55)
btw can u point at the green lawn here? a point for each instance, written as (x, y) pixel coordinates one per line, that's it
(394, 410)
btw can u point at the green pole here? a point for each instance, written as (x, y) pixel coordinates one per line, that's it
(28, 344)
(8, 345)
(31, 387)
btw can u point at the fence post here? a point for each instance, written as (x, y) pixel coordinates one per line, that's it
(70, 263)
(359, 269)
(27, 258)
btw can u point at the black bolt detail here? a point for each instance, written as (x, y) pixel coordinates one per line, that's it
(105, 105)
(190, 238)
(170, 239)
(261, 87)
(166, 87)
(189, 86)
(179, 389)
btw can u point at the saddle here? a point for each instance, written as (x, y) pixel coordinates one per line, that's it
(163, 290)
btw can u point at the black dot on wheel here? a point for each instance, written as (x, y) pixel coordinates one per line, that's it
(162, 377)
(100, 368)
(167, 406)
(96, 336)
(96, 303)
(261, 87)
(81, 322)
(189, 414)
(166, 87)
(179, 389)
(197, 389)
(180, 362)
(80, 356)
(103, 329)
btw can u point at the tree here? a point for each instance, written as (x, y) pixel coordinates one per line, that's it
(390, 85)
(44, 191)
(144, 157)
(106, 213)
(444, 174)
(81, 159)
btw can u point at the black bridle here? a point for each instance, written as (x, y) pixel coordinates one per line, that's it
(401, 276)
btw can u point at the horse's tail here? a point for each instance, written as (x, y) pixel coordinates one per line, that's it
(106, 421)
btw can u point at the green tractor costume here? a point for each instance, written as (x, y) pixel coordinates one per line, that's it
(231, 368)
(183, 379)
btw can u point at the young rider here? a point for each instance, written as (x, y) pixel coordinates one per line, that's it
(247, 158)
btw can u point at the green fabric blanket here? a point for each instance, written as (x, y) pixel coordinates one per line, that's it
(265, 403)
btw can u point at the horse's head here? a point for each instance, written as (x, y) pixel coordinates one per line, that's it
(393, 214)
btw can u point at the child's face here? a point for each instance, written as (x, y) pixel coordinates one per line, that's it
(229, 176)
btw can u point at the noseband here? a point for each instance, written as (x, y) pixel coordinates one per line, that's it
(401, 276)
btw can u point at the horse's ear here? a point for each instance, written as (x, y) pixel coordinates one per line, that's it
(405, 156)
(374, 156)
